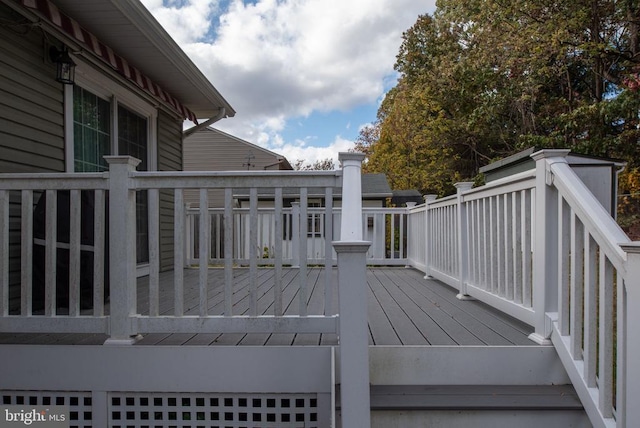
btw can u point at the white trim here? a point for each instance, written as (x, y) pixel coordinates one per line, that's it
(69, 153)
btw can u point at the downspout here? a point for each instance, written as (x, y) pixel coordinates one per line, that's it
(221, 113)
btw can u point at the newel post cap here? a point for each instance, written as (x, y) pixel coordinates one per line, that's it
(351, 156)
(550, 153)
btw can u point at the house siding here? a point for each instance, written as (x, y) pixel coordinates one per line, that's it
(169, 159)
(31, 101)
(31, 120)
(213, 150)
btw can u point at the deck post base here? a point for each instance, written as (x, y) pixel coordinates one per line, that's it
(464, 297)
(122, 342)
(539, 339)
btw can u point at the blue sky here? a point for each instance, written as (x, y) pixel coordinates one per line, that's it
(303, 75)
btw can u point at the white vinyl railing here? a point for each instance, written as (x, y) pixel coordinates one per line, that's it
(41, 223)
(74, 213)
(385, 228)
(113, 208)
(588, 305)
(539, 246)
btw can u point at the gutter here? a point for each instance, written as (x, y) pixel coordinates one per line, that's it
(221, 114)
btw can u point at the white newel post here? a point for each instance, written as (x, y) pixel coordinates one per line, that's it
(463, 241)
(631, 336)
(351, 222)
(122, 249)
(427, 233)
(352, 283)
(545, 247)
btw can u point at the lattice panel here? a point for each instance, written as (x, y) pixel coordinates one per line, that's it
(79, 403)
(212, 410)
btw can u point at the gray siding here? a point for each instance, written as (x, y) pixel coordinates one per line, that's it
(31, 102)
(31, 120)
(213, 150)
(169, 159)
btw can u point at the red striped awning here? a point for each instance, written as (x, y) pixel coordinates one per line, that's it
(71, 27)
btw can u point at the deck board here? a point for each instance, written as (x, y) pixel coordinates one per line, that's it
(403, 309)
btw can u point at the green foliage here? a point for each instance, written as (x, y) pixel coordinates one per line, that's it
(483, 79)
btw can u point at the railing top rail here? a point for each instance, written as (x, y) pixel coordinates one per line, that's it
(417, 208)
(54, 181)
(237, 179)
(521, 181)
(443, 202)
(602, 227)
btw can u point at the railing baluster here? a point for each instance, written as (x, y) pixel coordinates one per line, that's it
(517, 246)
(486, 241)
(590, 327)
(154, 252)
(577, 287)
(74, 251)
(26, 253)
(526, 247)
(51, 249)
(471, 221)
(605, 339)
(508, 248)
(302, 295)
(205, 239)
(564, 238)
(99, 250)
(464, 240)
(253, 251)
(277, 286)
(621, 352)
(178, 248)
(228, 252)
(493, 250)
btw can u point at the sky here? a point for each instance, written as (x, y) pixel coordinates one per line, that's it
(304, 76)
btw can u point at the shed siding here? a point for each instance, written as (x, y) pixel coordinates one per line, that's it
(169, 159)
(31, 101)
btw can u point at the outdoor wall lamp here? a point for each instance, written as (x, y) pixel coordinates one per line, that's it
(65, 67)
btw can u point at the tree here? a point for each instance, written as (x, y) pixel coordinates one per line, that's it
(319, 165)
(483, 79)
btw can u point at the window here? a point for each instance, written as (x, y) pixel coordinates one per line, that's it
(110, 120)
(91, 131)
(314, 219)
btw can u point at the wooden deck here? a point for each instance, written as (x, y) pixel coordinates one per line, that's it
(404, 309)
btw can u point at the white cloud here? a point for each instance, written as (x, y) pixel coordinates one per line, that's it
(312, 154)
(277, 60)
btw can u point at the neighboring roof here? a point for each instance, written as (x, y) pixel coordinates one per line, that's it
(374, 186)
(410, 193)
(213, 132)
(130, 30)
